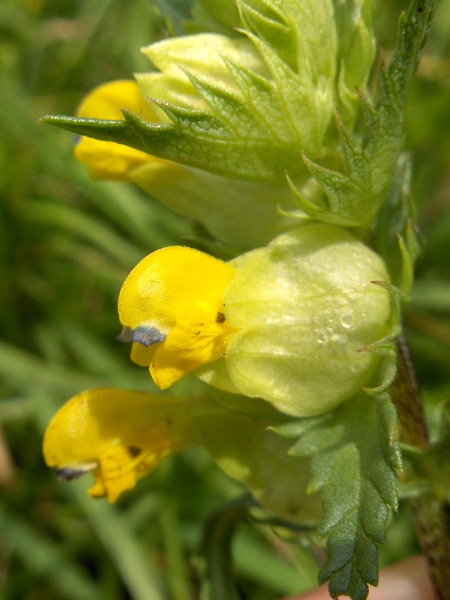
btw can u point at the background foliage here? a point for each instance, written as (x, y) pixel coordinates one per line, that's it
(66, 245)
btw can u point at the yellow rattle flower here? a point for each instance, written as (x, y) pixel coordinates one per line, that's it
(119, 435)
(284, 322)
(171, 308)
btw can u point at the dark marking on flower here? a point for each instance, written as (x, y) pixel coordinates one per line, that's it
(69, 473)
(125, 336)
(134, 451)
(147, 336)
(221, 318)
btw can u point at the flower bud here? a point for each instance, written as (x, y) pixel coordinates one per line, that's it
(201, 195)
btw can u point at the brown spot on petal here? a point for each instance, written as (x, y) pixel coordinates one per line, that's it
(221, 318)
(134, 451)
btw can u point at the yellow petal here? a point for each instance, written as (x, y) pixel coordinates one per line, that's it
(107, 160)
(201, 335)
(166, 368)
(119, 435)
(141, 355)
(171, 282)
(177, 292)
(195, 340)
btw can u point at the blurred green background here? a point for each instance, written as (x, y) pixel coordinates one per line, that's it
(66, 245)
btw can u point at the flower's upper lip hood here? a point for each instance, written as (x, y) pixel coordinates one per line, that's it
(171, 307)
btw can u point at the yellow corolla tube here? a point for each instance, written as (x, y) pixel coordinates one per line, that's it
(108, 160)
(119, 435)
(171, 308)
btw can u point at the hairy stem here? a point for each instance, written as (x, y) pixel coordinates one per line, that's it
(429, 511)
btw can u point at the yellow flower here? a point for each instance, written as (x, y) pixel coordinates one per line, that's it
(120, 436)
(225, 207)
(283, 322)
(171, 307)
(108, 160)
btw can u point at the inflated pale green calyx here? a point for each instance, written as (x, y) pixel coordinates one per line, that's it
(304, 305)
(247, 449)
(225, 207)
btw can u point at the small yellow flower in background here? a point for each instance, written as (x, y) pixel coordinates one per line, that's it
(108, 160)
(171, 307)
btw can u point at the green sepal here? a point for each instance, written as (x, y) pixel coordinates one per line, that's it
(356, 195)
(354, 458)
(386, 346)
(302, 34)
(356, 53)
(245, 448)
(226, 106)
(206, 199)
(300, 54)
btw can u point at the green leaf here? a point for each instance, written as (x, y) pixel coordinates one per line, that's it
(295, 31)
(196, 138)
(354, 457)
(355, 196)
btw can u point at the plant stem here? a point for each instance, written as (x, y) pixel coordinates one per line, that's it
(428, 510)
